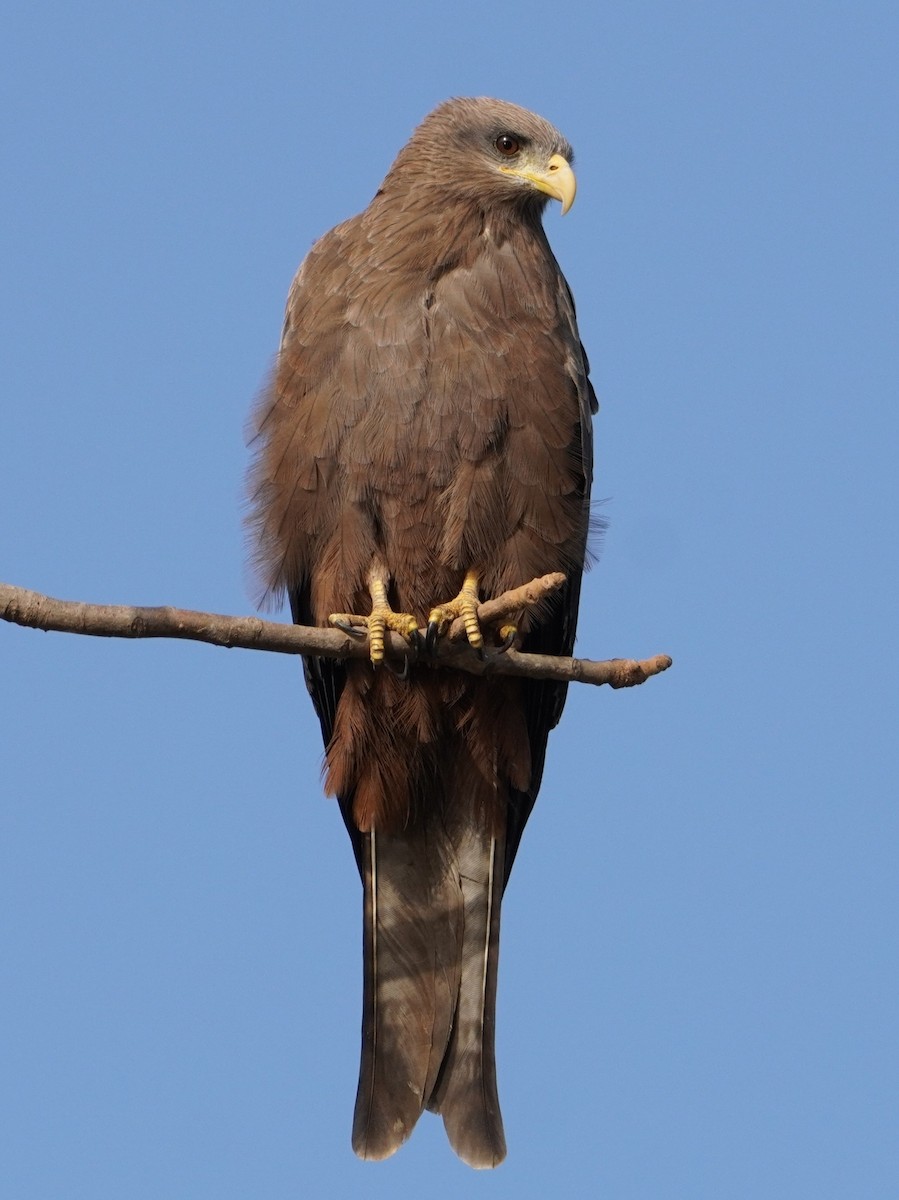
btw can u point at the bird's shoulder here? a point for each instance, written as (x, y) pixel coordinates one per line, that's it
(320, 286)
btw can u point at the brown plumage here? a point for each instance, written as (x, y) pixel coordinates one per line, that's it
(430, 415)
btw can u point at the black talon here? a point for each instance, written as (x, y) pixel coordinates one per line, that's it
(403, 675)
(507, 643)
(359, 632)
(433, 633)
(417, 642)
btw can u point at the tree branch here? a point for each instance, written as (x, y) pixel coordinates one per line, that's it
(35, 611)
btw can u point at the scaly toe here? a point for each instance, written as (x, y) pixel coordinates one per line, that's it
(384, 618)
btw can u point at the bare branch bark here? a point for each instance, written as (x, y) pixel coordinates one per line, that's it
(20, 606)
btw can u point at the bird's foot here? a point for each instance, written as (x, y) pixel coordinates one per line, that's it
(381, 618)
(375, 625)
(465, 605)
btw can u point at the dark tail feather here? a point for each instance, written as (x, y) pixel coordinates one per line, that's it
(431, 939)
(466, 1094)
(411, 961)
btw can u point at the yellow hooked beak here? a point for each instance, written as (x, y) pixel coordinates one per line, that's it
(556, 180)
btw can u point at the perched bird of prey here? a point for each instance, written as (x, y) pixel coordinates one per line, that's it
(426, 442)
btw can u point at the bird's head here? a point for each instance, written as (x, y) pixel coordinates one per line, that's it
(491, 152)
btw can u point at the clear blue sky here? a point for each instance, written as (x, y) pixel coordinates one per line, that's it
(699, 975)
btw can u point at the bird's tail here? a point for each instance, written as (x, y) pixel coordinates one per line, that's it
(432, 904)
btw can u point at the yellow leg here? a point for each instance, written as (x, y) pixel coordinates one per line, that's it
(381, 618)
(465, 605)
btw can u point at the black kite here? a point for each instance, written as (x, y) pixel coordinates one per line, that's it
(426, 440)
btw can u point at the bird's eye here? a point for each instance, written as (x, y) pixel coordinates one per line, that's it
(507, 145)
